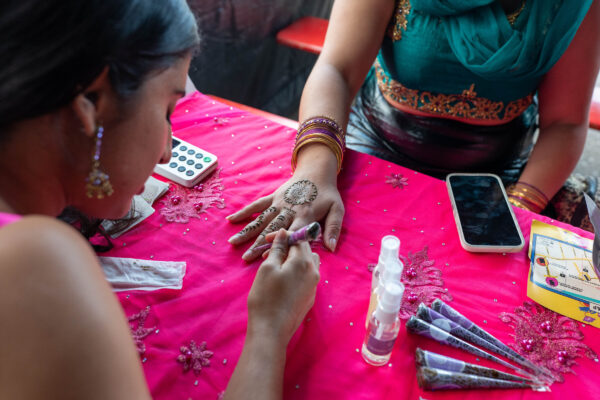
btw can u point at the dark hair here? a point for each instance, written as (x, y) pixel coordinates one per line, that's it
(52, 50)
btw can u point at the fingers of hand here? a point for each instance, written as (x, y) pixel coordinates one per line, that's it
(299, 222)
(316, 261)
(281, 221)
(270, 236)
(333, 225)
(253, 228)
(279, 250)
(252, 208)
(302, 261)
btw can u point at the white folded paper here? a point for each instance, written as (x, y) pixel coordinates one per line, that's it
(135, 274)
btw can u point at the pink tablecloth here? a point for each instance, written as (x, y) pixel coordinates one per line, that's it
(323, 357)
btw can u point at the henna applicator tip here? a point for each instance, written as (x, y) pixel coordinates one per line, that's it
(304, 234)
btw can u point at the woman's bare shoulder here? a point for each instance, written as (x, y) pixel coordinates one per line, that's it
(36, 240)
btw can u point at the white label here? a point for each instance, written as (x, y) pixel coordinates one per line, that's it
(595, 307)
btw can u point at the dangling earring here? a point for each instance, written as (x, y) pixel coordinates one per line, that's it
(97, 183)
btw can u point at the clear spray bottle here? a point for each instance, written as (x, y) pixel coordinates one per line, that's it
(392, 273)
(383, 326)
(390, 248)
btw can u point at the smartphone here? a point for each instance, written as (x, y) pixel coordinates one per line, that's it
(483, 215)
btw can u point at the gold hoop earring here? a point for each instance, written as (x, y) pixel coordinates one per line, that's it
(97, 183)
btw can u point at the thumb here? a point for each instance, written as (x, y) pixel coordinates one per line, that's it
(333, 225)
(279, 249)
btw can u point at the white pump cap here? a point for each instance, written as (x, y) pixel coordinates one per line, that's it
(392, 271)
(389, 302)
(390, 247)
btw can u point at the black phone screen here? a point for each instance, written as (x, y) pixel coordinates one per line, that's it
(483, 211)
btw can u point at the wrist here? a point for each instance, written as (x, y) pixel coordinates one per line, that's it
(265, 334)
(316, 159)
(325, 132)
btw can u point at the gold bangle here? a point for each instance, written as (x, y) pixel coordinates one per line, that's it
(520, 204)
(322, 139)
(531, 194)
(335, 145)
(529, 188)
(325, 140)
(525, 203)
(528, 192)
(540, 203)
(338, 134)
(338, 157)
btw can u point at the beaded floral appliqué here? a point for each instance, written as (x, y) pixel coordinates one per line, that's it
(194, 357)
(396, 180)
(140, 332)
(547, 338)
(181, 204)
(422, 281)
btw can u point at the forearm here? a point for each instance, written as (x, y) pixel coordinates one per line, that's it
(326, 93)
(354, 36)
(259, 371)
(554, 157)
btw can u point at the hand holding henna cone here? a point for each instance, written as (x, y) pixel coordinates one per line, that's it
(306, 233)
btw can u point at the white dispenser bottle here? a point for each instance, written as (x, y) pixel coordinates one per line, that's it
(392, 273)
(390, 248)
(383, 326)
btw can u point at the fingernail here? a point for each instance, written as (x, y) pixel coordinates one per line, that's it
(332, 244)
(232, 239)
(247, 254)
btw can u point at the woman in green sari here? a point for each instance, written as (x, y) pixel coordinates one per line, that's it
(445, 86)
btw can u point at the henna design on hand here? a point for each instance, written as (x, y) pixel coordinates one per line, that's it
(301, 192)
(283, 220)
(257, 222)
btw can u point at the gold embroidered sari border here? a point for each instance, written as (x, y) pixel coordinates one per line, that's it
(466, 105)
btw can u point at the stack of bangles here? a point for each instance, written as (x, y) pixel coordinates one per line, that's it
(524, 195)
(321, 130)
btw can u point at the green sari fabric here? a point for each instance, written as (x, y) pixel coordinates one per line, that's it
(448, 45)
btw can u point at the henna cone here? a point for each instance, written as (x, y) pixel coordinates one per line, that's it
(429, 359)
(428, 315)
(306, 233)
(420, 327)
(453, 315)
(439, 379)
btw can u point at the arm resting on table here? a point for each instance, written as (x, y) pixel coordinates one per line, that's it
(354, 36)
(565, 95)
